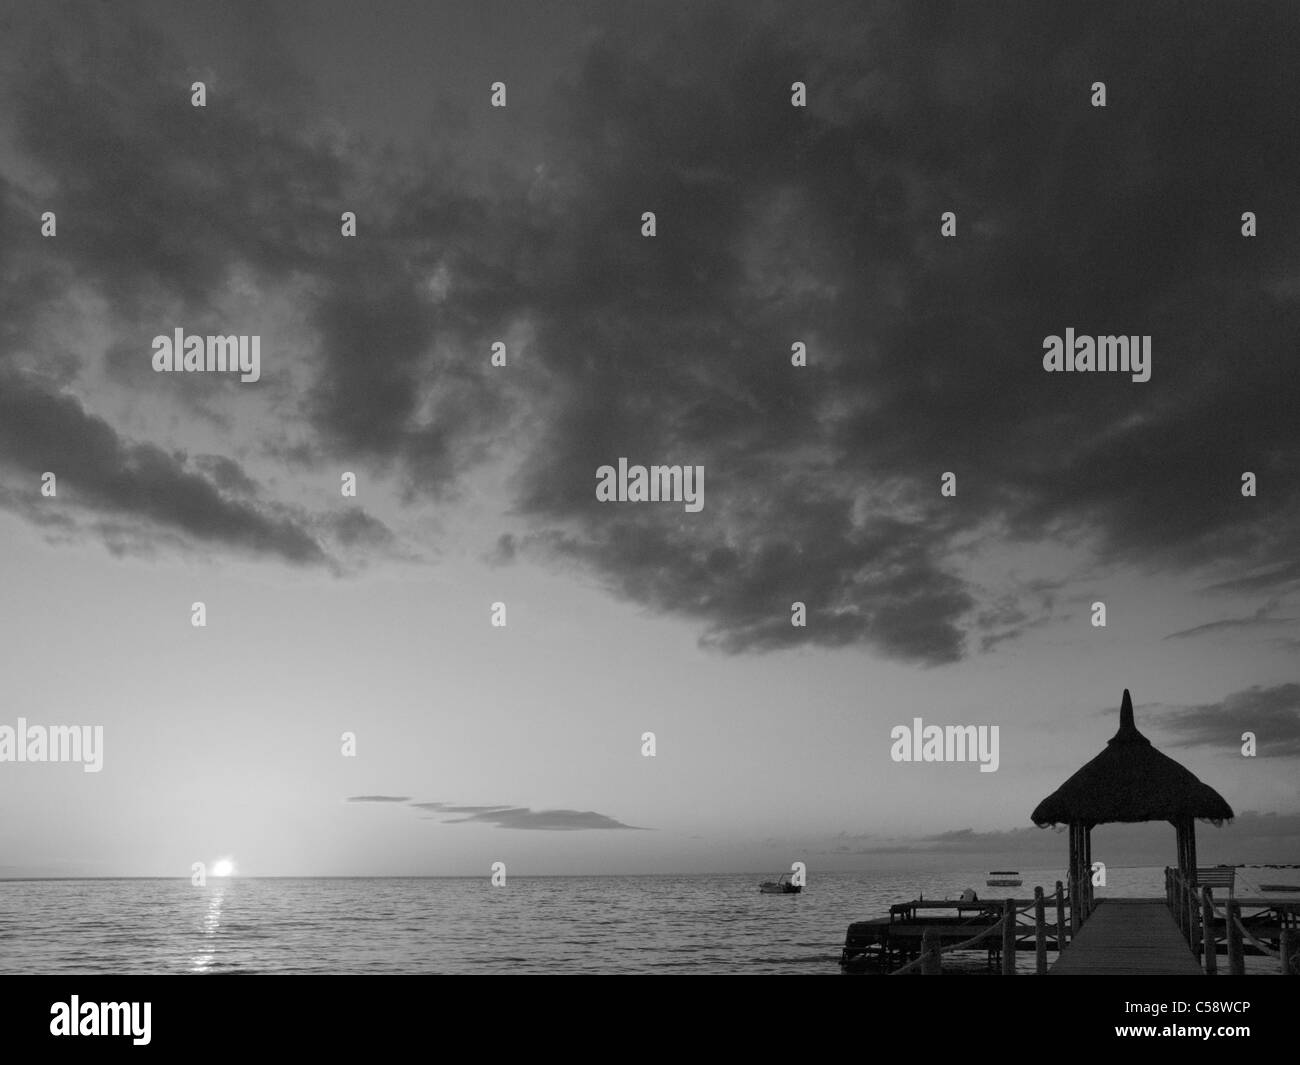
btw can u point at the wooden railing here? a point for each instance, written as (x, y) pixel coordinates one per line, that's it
(930, 962)
(1196, 915)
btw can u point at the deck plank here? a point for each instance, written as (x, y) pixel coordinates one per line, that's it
(1129, 936)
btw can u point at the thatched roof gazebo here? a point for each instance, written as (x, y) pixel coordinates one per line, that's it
(1129, 781)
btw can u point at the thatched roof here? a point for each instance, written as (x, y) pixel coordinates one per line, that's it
(1131, 781)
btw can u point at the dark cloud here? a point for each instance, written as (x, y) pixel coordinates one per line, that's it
(1268, 578)
(957, 837)
(99, 471)
(1007, 618)
(925, 355)
(524, 818)
(503, 554)
(355, 528)
(1251, 837)
(163, 206)
(775, 224)
(157, 197)
(544, 820)
(867, 583)
(1262, 618)
(1272, 713)
(226, 474)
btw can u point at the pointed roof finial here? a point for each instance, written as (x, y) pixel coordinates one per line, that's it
(1128, 732)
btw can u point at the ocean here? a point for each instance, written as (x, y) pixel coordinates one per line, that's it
(571, 924)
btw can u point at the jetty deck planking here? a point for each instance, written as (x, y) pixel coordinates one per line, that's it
(1128, 936)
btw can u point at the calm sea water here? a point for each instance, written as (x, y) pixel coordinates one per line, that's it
(636, 924)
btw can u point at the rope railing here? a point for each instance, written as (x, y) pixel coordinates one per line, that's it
(1226, 917)
(1007, 926)
(964, 945)
(1184, 896)
(1236, 918)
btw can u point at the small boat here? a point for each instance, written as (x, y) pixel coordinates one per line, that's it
(1004, 878)
(784, 886)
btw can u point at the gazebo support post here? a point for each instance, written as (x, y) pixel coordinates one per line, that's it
(1087, 868)
(1178, 879)
(1184, 898)
(1187, 900)
(1076, 914)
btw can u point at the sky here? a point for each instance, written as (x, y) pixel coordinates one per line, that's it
(372, 615)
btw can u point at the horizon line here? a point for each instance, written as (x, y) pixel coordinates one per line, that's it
(558, 876)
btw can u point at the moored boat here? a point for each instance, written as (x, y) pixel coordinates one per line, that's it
(1004, 878)
(784, 886)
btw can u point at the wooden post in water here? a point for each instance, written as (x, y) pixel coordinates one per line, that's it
(931, 963)
(1236, 957)
(1060, 918)
(1287, 950)
(1040, 929)
(1009, 937)
(1209, 943)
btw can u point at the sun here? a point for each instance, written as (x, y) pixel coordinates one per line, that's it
(223, 867)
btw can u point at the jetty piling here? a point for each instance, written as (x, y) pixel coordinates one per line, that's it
(1060, 915)
(1040, 932)
(1009, 937)
(1236, 952)
(1210, 943)
(931, 963)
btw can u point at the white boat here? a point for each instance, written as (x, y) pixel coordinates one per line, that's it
(1004, 878)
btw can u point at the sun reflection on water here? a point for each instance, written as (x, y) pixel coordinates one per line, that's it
(202, 962)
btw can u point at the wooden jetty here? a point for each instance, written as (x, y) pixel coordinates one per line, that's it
(1183, 933)
(1238, 927)
(885, 943)
(998, 927)
(1129, 936)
